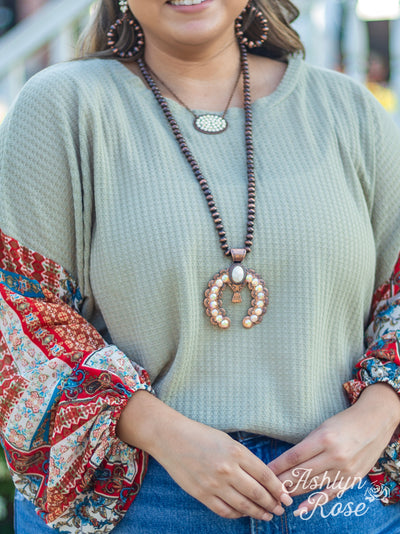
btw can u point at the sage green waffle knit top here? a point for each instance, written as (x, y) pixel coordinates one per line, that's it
(92, 177)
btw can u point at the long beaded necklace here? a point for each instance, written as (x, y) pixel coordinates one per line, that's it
(237, 276)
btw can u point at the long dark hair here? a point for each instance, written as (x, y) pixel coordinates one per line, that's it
(282, 41)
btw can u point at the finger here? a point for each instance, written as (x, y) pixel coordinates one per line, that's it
(221, 508)
(319, 498)
(312, 477)
(309, 476)
(245, 506)
(260, 472)
(327, 479)
(256, 493)
(297, 455)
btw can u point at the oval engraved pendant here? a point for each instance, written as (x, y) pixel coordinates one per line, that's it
(210, 124)
(236, 277)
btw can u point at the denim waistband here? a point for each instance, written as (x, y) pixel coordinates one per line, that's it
(244, 437)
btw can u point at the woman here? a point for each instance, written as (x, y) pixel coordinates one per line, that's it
(105, 163)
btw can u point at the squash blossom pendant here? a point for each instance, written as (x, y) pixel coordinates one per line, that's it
(237, 276)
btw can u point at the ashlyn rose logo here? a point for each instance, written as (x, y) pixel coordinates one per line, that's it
(319, 500)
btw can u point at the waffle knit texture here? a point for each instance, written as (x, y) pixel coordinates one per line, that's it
(93, 178)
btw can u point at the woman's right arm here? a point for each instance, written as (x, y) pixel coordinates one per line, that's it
(62, 386)
(62, 390)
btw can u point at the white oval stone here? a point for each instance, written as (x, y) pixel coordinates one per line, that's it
(210, 123)
(238, 274)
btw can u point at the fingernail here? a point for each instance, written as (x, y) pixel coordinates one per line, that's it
(267, 517)
(286, 499)
(278, 510)
(300, 511)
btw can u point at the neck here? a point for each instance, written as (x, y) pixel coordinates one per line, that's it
(204, 78)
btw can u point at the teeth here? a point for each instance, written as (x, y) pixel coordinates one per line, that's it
(185, 2)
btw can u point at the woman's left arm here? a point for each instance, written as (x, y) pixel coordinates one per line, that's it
(349, 445)
(381, 364)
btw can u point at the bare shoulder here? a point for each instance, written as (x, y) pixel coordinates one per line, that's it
(266, 75)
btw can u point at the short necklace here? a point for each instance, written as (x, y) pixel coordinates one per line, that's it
(237, 276)
(207, 123)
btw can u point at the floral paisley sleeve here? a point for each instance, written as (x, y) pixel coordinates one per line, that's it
(381, 363)
(62, 389)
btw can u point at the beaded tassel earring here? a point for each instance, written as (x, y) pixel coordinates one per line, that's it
(251, 13)
(135, 43)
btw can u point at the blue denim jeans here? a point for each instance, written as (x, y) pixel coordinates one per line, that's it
(162, 507)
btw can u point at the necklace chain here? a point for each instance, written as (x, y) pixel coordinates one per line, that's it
(185, 105)
(251, 190)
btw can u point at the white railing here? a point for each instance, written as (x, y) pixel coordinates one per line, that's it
(54, 25)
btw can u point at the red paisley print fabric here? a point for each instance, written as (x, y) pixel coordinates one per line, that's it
(62, 389)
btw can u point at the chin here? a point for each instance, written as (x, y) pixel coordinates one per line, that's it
(199, 36)
(194, 41)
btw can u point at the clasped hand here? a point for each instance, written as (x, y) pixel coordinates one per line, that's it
(207, 463)
(222, 473)
(340, 452)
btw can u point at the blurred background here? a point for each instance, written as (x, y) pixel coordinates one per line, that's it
(358, 37)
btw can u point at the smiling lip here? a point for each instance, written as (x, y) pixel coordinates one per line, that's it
(195, 8)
